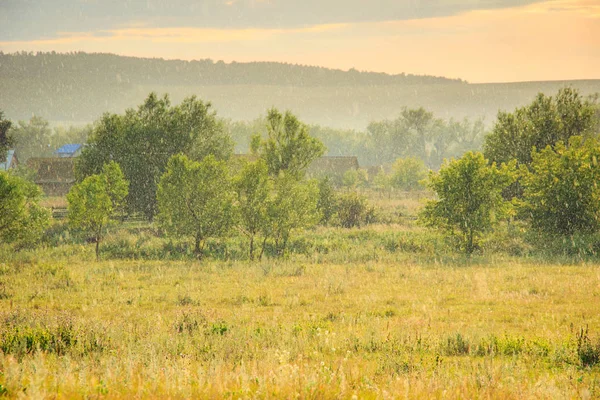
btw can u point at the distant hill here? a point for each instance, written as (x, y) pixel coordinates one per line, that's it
(79, 87)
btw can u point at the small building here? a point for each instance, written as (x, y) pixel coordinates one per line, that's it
(10, 162)
(69, 150)
(332, 166)
(55, 175)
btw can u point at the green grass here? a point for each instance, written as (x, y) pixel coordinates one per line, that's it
(377, 312)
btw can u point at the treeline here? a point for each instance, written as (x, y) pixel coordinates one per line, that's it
(102, 69)
(414, 133)
(173, 164)
(539, 168)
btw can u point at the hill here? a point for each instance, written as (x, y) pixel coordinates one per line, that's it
(79, 87)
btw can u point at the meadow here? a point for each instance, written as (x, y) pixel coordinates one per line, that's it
(383, 311)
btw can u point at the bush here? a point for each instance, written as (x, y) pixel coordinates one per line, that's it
(352, 210)
(587, 350)
(562, 194)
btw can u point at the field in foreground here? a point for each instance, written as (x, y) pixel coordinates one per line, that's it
(494, 328)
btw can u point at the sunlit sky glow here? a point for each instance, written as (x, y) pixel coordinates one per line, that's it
(480, 41)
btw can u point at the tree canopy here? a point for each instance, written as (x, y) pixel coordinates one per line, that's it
(142, 141)
(23, 220)
(562, 191)
(195, 199)
(469, 200)
(95, 199)
(6, 139)
(288, 146)
(544, 122)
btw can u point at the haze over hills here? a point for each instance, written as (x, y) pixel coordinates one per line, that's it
(79, 87)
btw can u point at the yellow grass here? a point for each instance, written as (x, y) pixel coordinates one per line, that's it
(297, 329)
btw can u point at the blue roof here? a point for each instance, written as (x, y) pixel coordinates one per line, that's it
(68, 149)
(5, 166)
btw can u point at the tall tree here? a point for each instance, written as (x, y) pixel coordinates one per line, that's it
(93, 201)
(253, 187)
(544, 122)
(288, 147)
(6, 139)
(195, 199)
(33, 138)
(142, 141)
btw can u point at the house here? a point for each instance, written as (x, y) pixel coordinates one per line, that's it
(69, 150)
(332, 166)
(10, 162)
(55, 175)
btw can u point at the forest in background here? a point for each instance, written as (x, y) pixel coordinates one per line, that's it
(72, 88)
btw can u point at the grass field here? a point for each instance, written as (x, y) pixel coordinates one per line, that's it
(384, 311)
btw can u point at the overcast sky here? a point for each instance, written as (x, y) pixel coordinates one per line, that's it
(477, 40)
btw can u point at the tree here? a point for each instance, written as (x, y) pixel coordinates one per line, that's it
(195, 199)
(94, 200)
(294, 207)
(327, 201)
(544, 122)
(288, 146)
(562, 194)
(142, 141)
(33, 138)
(23, 220)
(355, 178)
(253, 187)
(381, 182)
(469, 200)
(6, 139)
(407, 173)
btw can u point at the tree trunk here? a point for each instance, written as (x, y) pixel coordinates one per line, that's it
(252, 248)
(262, 249)
(97, 247)
(197, 248)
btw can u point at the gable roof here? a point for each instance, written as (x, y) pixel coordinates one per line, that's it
(71, 148)
(10, 159)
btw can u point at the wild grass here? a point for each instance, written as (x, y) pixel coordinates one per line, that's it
(302, 327)
(384, 311)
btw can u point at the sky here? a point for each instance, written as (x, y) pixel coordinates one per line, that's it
(475, 40)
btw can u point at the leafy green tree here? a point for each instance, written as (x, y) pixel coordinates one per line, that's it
(253, 187)
(142, 141)
(469, 200)
(23, 220)
(294, 207)
(6, 139)
(33, 138)
(117, 186)
(94, 200)
(288, 146)
(562, 191)
(407, 173)
(195, 199)
(544, 122)
(327, 201)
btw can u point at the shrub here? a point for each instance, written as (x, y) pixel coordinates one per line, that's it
(562, 194)
(587, 350)
(352, 210)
